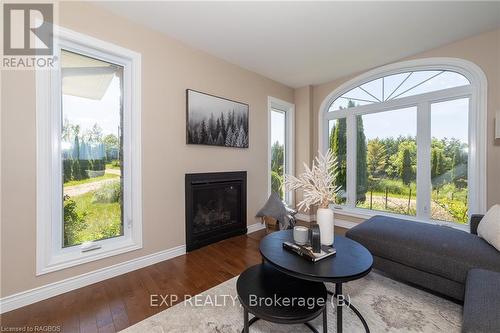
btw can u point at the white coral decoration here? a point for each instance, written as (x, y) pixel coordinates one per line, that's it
(317, 183)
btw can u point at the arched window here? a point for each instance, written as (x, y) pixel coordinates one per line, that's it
(409, 140)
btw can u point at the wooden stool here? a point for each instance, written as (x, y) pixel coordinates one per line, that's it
(261, 285)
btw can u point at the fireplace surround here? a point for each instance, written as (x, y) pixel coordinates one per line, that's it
(216, 207)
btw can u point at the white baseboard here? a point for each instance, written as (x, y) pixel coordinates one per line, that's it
(255, 227)
(34, 295)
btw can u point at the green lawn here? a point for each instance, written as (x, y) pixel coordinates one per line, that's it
(112, 165)
(103, 220)
(91, 180)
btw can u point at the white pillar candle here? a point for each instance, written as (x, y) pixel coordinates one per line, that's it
(324, 218)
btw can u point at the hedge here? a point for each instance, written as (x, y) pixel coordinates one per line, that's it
(77, 169)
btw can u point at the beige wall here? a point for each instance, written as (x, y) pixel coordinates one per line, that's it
(168, 68)
(484, 51)
(303, 130)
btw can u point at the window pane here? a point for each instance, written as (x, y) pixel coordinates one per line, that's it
(392, 82)
(374, 89)
(278, 139)
(337, 130)
(358, 94)
(441, 81)
(413, 80)
(449, 157)
(398, 86)
(91, 145)
(345, 103)
(386, 159)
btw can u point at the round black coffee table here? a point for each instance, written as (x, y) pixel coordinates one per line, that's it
(352, 262)
(264, 282)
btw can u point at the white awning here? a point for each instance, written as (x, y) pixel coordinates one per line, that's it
(84, 76)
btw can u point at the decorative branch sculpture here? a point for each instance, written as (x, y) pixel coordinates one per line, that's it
(317, 182)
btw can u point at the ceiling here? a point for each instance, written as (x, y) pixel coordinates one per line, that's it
(302, 43)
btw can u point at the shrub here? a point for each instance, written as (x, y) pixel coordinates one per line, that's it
(450, 191)
(105, 229)
(108, 193)
(74, 222)
(277, 183)
(392, 185)
(76, 169)
(458, 209)
(67, 171)
(97, 165)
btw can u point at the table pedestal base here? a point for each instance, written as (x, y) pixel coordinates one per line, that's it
(338, 291)
(249, 323)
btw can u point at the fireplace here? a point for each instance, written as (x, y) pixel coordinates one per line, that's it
(216, 207)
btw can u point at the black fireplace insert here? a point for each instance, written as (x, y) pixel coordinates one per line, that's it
(216, 207)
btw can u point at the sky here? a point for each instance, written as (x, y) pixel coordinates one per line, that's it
(86, 112)
(448, 120)
(277, 127)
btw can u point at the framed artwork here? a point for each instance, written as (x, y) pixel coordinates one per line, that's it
(215, 121)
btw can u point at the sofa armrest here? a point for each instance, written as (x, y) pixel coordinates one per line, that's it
(474, 222)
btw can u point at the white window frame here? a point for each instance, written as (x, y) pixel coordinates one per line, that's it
(477, 94)
(50, 254)
(289, 110)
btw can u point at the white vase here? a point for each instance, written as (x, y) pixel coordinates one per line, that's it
(324, 218)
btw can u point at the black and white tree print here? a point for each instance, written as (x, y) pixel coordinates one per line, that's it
(216, 121)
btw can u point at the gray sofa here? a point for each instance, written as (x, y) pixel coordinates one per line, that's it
(439, 258)
(482, 302)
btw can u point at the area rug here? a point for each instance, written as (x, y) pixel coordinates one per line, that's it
(386, 305)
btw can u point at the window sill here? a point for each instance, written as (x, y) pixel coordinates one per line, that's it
(74, 257)
(366, 214)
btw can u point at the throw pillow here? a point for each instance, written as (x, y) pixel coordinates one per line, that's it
(489, 227)
(274, 208)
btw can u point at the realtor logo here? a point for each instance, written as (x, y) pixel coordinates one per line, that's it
(28, 29)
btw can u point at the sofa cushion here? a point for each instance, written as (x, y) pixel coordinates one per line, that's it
(489, 228)
(435, 249)
(482, 302)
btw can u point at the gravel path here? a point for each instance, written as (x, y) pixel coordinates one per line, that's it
(75, 190)
(114, 171)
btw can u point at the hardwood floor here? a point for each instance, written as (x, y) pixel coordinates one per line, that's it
(119, 302)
